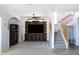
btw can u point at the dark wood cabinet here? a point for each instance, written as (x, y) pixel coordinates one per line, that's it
(13, 34)
(39, 35)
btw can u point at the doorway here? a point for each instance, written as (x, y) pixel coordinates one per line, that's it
(13, 34)
(14, 31)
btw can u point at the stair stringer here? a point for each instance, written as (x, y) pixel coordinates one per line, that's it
(65, 40)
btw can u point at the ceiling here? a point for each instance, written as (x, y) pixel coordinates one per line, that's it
(38, 9)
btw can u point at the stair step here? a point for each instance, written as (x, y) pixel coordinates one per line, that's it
(60, 47)
(58, 37)
(60, 44)
(59, 41)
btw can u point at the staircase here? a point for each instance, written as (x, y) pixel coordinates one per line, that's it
(59, 42)
(63, 28)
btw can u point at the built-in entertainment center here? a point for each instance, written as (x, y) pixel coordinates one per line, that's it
(35, 31)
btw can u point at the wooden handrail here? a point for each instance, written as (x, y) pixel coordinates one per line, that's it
(65, 19)
(64, 31)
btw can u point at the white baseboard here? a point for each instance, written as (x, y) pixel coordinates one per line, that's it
(0, 50)
(4, 50)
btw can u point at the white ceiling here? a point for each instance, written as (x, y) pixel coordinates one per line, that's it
(40, 9)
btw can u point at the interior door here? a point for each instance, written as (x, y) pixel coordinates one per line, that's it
(13, 34)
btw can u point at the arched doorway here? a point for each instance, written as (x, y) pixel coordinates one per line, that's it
(13, 24)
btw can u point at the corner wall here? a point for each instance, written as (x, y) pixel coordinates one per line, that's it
(0, 34)
(5, 15)
(52, 18)
(76, 28)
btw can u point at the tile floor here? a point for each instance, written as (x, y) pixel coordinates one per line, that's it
(39, 48)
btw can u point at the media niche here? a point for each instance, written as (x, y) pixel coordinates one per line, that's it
(35, 28)
(35, 31)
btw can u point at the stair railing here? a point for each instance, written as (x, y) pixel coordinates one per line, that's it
(64, 30)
